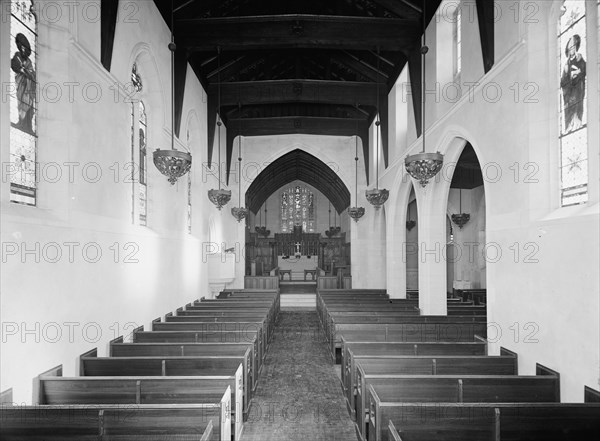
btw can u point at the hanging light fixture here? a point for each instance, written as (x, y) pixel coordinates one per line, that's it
(377, 196)
(219, 197)
(423, 166)
(172, 163)
(462, 218)
(239, 212)
(356, 212)
(410, 224)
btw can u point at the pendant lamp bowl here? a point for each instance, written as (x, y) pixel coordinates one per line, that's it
(356, 213)
(172, 163)
(240, 213)
(219, 197)
(377, 196)
(424, 166)
(461, 219)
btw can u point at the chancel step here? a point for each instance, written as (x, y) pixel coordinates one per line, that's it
(294, 301)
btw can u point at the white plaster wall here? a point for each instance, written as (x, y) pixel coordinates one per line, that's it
(543, 289)
(60, 297)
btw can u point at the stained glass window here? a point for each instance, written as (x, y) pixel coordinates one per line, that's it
(572, 46)
(143, 140)
(298, 209)
(457, 42)
(23, 103)
(189, 192)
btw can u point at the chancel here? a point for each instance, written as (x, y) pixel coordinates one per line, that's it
(300, 220)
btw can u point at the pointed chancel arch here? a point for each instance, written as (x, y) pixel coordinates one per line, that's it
(298, 165)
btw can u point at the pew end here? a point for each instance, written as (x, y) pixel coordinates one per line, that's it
(477, 337)
(6, 397)
(509, 353)
(37, 398)
(92, 353)
(546, 371)
(590, 395)
(114, 341)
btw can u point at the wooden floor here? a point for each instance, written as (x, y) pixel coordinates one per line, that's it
(299, 397)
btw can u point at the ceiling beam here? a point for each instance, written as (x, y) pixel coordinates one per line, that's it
(297, 31)
(485, 17)
(401, 8)
(354, 63)
(297, 91)
(180, 73)
(108, 24)
(415, 77)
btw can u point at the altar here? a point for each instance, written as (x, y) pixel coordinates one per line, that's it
(297, 266)
(297, 254)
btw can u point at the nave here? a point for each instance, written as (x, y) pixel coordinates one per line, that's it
(298, 397)
(238, 368)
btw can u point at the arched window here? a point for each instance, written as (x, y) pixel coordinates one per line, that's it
(139, 152)
(572, 39)
(457, 40)
(143, 142)
(298, 209)
(23, 103)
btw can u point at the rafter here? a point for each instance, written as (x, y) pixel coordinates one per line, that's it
(297, 31)
(401, 8)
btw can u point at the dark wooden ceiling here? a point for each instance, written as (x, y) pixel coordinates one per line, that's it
(296, 66)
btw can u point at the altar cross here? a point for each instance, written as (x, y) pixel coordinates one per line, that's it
(297, 247)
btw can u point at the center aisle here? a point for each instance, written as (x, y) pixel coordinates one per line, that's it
(299, 397)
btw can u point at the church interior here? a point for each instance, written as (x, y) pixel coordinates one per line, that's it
(287, 220)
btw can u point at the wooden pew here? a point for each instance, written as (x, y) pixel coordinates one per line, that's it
(385, 396)
(491, 421)
(144, 422)
(367, 369)
(215, 393)
(253, 294)
(342, 322)
(352, 351)
(413, 331)
(209, 327)
(229, 367)
(118, 348)
(224, 316)
(269, 309)
(201, 337)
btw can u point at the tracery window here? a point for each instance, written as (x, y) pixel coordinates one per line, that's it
(23, 103)
(457, 42)
(143, 185)
(572, 36)
(298, 209)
